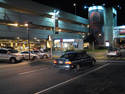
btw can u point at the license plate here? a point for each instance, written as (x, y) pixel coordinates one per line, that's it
(60, 62)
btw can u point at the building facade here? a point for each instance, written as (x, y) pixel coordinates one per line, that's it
(43, 21)
(119, 36)
(102, 20)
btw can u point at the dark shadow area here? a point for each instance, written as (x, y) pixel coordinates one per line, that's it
(39, 62)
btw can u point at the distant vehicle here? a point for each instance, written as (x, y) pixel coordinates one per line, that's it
(42, 55)
(10, 55)
(113, 52)
(25, 55)
(74, 60)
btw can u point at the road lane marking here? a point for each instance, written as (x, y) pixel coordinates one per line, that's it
(32, 71)
(72, 79)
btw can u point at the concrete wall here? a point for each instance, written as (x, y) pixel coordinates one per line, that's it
(35, 13)
(110, 22)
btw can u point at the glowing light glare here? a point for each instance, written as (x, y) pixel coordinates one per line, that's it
(123, 26)
(65, 40)
(68, 62)
(103, 4)
(56, 12)
(13, 24)
(74, 4)
(51, 13)
(100, 35)
(35, 38)
(38, 40)
(96, 7)
(65, 45)
(59, 30)
(107, 44)
(26, 24)
(85, 7)
(114, 11)
(18, 37)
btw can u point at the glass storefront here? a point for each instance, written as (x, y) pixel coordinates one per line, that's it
(68, 44)
(22, 45)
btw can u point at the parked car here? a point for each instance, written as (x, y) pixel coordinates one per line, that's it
(74, 60)
(10, 55)
(40, 54)
(113, 52)
(33, 56)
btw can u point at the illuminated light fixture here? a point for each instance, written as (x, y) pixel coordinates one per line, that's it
(35, 38)
(85, 7)
(123, 26)
(26, 24)
(59, 30)
(55, 62)
(114, 11)
(56, 12)
(96, 7)
(74, 4)
(13, 24)
(38, 40)
(107, 44)
(68, 62)
(100, 35)
(18, 37)
(103, 4)
(88, 26)
(51, 13)
(65, 40)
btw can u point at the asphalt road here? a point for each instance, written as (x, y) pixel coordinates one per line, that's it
(42, 78)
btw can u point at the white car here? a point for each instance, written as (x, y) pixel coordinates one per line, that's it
(40, 54)
(33, 56)
(10, 55)
(113, 52)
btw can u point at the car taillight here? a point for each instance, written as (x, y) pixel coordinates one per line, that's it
(116, 52)
(55, 62)
(68, 62)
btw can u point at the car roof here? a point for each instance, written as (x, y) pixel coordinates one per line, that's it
(73, 52)
(4, 49)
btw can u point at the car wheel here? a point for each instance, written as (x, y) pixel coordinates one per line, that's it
(92, 63)
(34, 58)
(13, 60)
(77, 67)
(45, 56)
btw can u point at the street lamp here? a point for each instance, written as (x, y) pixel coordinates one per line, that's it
(74, 4)
(27, 28)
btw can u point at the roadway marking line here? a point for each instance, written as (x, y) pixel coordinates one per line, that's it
(32, 71)
(72, 79)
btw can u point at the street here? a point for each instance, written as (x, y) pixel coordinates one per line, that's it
(42, 78)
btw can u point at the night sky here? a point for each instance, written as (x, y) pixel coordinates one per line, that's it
(67, 5)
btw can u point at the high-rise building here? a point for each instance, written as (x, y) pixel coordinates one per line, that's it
(102, 20)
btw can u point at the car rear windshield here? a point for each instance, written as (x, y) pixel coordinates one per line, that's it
(68, 56)
(13, 51)
(35, 52)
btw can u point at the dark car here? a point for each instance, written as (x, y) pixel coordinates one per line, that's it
(74, 60)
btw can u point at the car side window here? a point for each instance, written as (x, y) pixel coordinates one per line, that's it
(71, 56)
(3, 51)
(77, 56)
(84, 55)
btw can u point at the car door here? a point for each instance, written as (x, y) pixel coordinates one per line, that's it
(71, 57)
(75, 58)
(84, 58)
(3, 54)
(25, 54)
